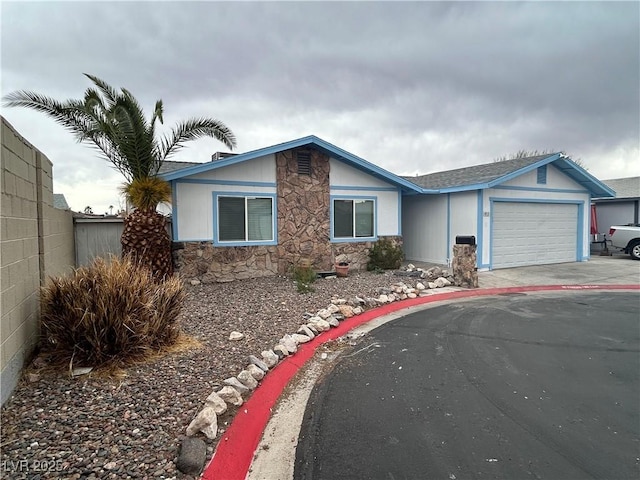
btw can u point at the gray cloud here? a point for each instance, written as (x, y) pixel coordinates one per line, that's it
(413, 87)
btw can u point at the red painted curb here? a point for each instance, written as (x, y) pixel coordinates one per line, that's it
(234, 454)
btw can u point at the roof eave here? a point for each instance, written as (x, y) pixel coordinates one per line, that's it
(591, 184)
(326, 147)
(595, 187)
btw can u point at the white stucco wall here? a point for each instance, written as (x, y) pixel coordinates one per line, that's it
(346, 181)
(342, 174)
(464, 216)
(193, 196)
(614, 213)
(424, 228)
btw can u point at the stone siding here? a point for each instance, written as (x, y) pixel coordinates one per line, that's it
(304, 228)
(357, 253)
(465, 273)
(303, 212)
(209, 264)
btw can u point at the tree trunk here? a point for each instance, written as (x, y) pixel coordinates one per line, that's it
(146, 240)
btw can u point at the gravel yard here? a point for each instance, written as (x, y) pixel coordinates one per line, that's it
(59, 427)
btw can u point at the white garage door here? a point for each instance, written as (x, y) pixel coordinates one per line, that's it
(533, 234)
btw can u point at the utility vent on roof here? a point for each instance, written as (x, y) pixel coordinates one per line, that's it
(304, 163)
(221, 155)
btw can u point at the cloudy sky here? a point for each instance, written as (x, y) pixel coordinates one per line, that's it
(412, 87)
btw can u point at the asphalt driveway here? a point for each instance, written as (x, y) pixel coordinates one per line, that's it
(543, 385)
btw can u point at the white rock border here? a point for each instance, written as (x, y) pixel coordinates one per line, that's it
(313, 325)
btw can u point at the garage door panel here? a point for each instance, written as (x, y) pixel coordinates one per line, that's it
(533, 233)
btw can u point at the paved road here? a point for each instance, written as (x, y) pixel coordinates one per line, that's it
(515, 386)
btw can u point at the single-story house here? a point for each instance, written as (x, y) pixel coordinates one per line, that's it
(261, 212)
(623, 208)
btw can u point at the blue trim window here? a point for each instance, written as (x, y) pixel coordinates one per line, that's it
(353, 218)
(542, 175)
(244, 219)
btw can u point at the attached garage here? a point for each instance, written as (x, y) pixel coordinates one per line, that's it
(527, 233)
(525, 211)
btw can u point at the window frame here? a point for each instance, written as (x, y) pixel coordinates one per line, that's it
(353, 198)
(246, 196)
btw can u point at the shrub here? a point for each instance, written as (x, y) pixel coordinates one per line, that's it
(384, 255)
(111, 313)
(304, 276)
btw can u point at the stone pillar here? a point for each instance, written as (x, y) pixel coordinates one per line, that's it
(465, 272)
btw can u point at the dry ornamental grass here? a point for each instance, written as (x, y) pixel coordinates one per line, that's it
(109, 314)
(131, 426)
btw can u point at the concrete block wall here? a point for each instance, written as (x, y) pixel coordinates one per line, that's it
(35, 241)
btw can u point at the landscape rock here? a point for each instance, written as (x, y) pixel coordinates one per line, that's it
(235, 383)
(411, 295)
(324, 313)
(256, 372)
(332, 309)
(432, 285)
(193, 454)
(216, 402)
(270, 358)
(281, 351)
(247, 379)
(204, 422)
(289, 343)
(258, 363)
(383, 298)
(76, 372)
(313, 328)
(357, 310)
(434, 272)
(442, 282)
(304, 330)
(333, 321)
(230, 395)
(235, 336)
(420, 286)
(194, 282)
(346, 310)
(298, 338)
(322, 325)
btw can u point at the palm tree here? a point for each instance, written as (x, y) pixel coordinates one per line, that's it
(113, 122)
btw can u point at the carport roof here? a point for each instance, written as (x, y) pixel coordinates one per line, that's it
(489, 175)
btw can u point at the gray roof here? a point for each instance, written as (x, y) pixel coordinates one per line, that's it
(170, 166)
(60, 202)
(474, 175)
(310, 141)
(625, 187)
